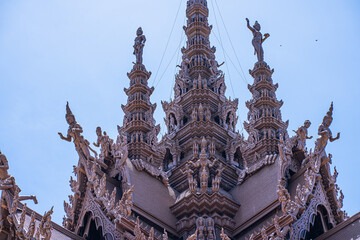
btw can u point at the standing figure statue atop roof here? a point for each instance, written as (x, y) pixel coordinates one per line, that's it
(74, 133)
(325, 132)
(139, 45)
(257, 40)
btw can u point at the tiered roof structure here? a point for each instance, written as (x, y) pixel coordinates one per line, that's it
(203, 180)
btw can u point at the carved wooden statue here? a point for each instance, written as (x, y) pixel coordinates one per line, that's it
(74, 133)
(204, 163)
(192, 182)
(257, 40)
(217, 179)
(105, 143)
(325, 132)
(139, 45)
(301, 135)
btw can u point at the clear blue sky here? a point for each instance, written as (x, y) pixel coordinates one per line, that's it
(80, 51)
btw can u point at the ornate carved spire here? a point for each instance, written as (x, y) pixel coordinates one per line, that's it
(139, 126)
(265, 123)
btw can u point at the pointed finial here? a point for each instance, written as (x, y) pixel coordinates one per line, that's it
(68, 111)
(329, 113)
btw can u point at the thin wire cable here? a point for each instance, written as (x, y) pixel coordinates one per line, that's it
(227, 67)
(237, 70)
(177, 60)
(228, 35)
(177, 49)
(167, 43)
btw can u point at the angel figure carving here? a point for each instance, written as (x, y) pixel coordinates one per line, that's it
(325, 132)
(257, 40)
(302, 135)
(104, 142)
(74, 133)
(214, 65)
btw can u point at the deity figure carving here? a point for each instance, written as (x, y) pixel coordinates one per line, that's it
(301, 135)
(93, 179)
(212, 149)
(201, 112)
(120, 153)
(139, 45)
(194, 86)
(217, 179)
(325, 132)
(10, 191)
(195, 150)
(7, 182)
(257, 40)
(204, 163)
(104, 142)
(200, 227)
(177, 90)
(214, 65)
(185, 63)
(207, 115)
(194, 114)
(223, 236)
(74, 133)
(285, 152)
(151, 234)
(210, 228)
(222, 89)
(192, 182)
(231, 122)
(200, 82)
(172, 125)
